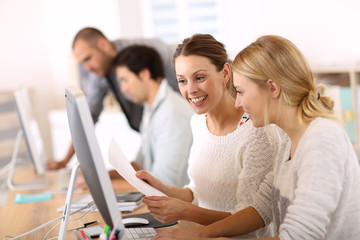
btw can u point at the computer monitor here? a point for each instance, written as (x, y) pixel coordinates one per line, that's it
(30, 130)
(89, 156)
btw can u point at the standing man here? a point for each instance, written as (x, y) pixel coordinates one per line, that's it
(165, 127)
(95, 54)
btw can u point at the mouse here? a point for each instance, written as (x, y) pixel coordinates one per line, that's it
(135, 221)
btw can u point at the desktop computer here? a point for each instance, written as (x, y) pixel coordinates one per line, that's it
(92, 165)
(31, 134)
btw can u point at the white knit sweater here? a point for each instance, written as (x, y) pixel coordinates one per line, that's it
(316, 194)
(225, 171)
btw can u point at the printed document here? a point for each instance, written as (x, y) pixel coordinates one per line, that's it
(118, 160)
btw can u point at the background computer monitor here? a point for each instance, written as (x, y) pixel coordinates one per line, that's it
(30, 129)
(89, 156)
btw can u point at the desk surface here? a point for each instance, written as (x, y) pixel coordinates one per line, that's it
(20, 218)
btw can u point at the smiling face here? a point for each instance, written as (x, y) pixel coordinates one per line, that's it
(199, 82)
(132, 85)
(251, 98)
(94, 59)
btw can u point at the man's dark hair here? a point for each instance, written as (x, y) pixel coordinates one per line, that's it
(90, 35)
(139, 57)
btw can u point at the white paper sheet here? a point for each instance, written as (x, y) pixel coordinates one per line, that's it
(118, 160)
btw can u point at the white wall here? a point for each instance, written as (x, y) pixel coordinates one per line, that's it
(24, 58)
(35, 47)
(327, 31)
(36, 36)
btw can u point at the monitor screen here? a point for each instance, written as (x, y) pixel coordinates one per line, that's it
(88, 153)
(30, 130)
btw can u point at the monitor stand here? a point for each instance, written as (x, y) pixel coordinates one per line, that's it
(36, 184)
(66, 212)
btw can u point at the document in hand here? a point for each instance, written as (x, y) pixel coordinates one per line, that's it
(118, 160)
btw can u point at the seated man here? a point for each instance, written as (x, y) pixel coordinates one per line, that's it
(95, 53)
(165, 127)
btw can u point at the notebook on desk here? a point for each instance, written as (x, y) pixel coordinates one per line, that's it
(122, 199)
(126, 202)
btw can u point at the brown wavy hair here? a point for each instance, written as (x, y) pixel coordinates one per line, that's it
(206, 45)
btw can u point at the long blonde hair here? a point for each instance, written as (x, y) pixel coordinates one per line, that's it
(278, 59)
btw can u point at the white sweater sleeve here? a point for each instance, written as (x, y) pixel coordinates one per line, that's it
(322, 161)
(255, 182)
(262, 200)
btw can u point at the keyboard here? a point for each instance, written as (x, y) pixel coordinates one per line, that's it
(140, 233)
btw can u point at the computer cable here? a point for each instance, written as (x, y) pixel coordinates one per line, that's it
(51, 230)
(89, 205)
(71, 220)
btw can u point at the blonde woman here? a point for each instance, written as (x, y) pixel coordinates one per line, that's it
(313, 192)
